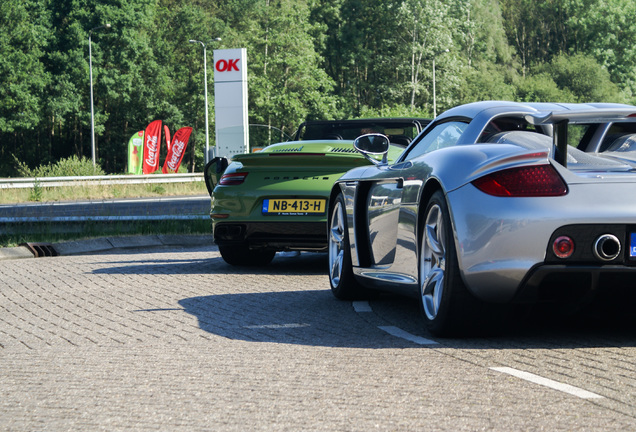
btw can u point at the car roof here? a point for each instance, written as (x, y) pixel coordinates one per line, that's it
(367, 120)
(472, 110)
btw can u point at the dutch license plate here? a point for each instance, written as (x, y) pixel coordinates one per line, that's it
(632, 246)
(294, 207)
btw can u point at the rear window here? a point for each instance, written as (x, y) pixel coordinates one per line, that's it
(398, 133)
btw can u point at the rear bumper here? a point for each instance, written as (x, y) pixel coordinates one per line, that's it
(551, 282)
(279, 236)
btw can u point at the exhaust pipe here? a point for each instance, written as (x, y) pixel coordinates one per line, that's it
(607, 247)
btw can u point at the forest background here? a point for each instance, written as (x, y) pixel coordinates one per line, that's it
(307, 59)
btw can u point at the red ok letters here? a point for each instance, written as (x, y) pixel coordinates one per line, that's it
(227, 65)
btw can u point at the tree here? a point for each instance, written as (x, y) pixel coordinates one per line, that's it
(606, 30)
(23, 39)
(582, 77)
(427, 25)
(307, 59)
(287, 82)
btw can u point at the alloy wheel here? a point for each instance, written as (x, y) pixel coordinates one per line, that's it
(336, 244)
(433, 262)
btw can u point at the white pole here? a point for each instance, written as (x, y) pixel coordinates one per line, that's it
(90, 73)
(205, 78)
(205, 90)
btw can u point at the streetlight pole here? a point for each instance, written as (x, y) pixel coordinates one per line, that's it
(205, 86)
(434, 92)
(90, 72)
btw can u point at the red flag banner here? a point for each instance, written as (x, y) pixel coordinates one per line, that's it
(177, 150)
(152, 146)
(166, 134)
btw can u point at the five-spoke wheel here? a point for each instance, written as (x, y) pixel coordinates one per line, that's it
(433, 262)
(343, 283)
(447, 305)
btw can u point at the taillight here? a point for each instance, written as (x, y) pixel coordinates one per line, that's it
(233, 179)
(527, 181)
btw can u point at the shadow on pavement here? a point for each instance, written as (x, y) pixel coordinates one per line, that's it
(303, 264)
(313, 318)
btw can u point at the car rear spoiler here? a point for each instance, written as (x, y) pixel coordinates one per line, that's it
(561, 120)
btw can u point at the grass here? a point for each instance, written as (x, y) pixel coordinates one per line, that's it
(40, 193)
(51, 233)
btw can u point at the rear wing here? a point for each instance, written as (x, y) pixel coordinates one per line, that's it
(560, 121)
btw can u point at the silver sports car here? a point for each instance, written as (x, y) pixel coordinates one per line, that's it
(493, 202)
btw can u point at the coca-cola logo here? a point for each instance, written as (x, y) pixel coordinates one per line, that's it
(177, 150)
(151, 145)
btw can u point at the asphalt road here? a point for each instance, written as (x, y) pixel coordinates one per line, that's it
(173, 338)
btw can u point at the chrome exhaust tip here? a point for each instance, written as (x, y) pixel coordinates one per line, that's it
(607, 247)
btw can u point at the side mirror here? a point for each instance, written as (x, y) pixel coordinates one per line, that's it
(373, 145)
(212, 171)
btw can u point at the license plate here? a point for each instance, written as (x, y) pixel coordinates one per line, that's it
(632, 246)
(294, 207)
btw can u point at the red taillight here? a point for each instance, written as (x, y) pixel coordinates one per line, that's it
(563, 247)
(232, 179)
(528, 181)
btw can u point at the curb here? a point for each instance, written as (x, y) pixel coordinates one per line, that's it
(15, 253)
(108, 243)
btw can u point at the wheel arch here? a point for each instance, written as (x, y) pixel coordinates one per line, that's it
(430, 187)
(336, 189)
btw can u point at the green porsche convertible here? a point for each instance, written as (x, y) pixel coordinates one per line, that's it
(276, 199)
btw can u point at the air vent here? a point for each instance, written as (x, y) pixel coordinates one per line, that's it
(288, 150)
(343, 150)
(276, 178)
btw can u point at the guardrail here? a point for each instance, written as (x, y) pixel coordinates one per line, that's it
(30, 182)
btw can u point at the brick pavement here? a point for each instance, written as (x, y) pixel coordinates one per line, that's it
(175, 339)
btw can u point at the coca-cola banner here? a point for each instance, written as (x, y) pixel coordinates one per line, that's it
(152, 145)
(177, 150)
(135, 152)
(166, 134)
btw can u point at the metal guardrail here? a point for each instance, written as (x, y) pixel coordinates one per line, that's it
(123, 214)
(30, 182)
(124, 218)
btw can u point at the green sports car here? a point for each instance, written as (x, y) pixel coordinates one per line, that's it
(276, 199)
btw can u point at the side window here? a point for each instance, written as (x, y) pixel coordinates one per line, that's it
(441, 136)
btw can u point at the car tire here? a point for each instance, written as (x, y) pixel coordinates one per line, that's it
(344, 286)
(448, 308)
(241, 255)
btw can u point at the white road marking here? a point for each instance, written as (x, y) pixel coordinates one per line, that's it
(365, 307)
(362, 306)
(566, 388)
(277, 326)
(398, 332)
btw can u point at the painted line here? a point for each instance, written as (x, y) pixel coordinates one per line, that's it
(362, 306)
(277, 326)
(365, 307)
(566, 388)
(398, 332)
